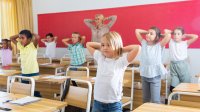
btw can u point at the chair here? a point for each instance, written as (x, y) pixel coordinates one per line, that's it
(80, 72)
(183, 103)
(80, 96)
(42, 60)
(65, 61)
(17, 87)
(129, 83)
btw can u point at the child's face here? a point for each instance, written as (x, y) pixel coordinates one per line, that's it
(24, 40)
(4, 45)
(151, 35)
(49, 39)
(75, 38)
(178, 35)
(106, 48)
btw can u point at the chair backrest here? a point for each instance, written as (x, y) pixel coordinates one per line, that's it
(42, 60)
(65, 61)
(183, 103)
(79, 96)
(14, 85)
(18, 60)
(79, 72)
(128, 82)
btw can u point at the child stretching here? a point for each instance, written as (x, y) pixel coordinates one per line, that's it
(179, 69)
(28, 53)
(50, 43)
(76, 49)
(6, 52)
(110, 71)
(151, 67)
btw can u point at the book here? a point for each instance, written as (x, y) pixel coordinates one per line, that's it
(25, 100)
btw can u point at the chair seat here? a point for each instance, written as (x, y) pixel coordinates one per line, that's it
(125, 99)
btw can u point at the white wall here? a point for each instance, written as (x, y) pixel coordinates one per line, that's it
(53, 6)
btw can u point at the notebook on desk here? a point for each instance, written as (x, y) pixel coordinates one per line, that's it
(25, 100)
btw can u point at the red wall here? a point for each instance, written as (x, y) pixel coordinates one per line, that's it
(166, 15)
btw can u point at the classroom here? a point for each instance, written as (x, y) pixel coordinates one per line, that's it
(99, 56)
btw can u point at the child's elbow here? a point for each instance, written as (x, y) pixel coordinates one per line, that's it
(63, 40)
(138, 47)
(196, 36)
(137, 30)
(87, 44)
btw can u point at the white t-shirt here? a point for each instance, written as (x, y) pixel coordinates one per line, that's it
(109, 78)
(178, 50)
(50, 49)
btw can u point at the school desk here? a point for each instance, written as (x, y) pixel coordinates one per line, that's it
(44, 105)
(152, 107)
(188, 87)
(4, 74)
(49, 85)
(46, 68)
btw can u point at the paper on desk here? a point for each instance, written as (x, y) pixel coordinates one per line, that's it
(25, 100)
(2, 94)
(5, 99)
(55, 77)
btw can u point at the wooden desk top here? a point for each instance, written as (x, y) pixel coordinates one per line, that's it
(44, 105)
(9, 72)
(187, 87)
(90, 78)
(151, 107)
(52, 65)
(50, 79)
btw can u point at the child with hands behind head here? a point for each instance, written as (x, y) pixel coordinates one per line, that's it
(112, 64)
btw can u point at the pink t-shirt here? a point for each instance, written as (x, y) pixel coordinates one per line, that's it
(6, 57)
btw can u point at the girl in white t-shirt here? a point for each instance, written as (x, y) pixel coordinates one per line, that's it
(179, 69)
(50, 43)
(110, 71)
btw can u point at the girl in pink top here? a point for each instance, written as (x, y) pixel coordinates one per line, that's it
(6, 52)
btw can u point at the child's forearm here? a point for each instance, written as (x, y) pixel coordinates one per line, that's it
(14, 38)
(192, 38)
(35, 40)
(55, 39)
(167, 37)
(94, 45)
(133, 51)
(190, 35)
(128, 48)
(82, 39)
(141, 31)
(43, 40)
(66, 41)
